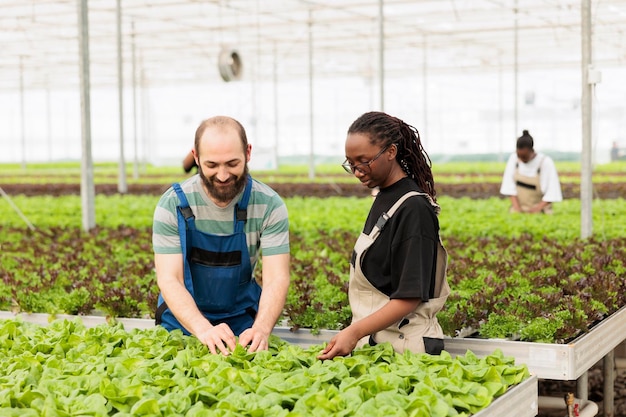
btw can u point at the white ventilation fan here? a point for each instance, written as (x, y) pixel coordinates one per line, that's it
(230, 65)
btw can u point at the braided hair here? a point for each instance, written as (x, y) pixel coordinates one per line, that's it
(385, 130)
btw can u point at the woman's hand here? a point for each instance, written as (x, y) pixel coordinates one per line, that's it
(341, 345)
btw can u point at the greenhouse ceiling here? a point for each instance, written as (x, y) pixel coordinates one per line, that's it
(181, 41)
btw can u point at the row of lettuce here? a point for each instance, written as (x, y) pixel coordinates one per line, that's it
(65, 369)
(512, 276)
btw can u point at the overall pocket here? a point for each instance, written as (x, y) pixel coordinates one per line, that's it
(215, 288)
(215, 278)
(432, 345)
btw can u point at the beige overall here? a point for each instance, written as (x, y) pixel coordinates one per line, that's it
(365, 299)
(529, 191)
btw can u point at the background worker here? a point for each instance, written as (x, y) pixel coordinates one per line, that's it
(530, 179)
(208, 233)
(189, 162)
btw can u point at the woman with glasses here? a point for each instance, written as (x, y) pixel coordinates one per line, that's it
(398, 267)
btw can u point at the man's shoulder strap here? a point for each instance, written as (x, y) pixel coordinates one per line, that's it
(241, 208)
(183, 207)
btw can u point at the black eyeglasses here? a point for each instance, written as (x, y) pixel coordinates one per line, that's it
(350, 169)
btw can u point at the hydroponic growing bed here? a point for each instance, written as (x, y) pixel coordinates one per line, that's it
(564, 362)
(551, 360)
(69, 365)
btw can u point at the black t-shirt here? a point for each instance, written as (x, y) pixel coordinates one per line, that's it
(401, 262)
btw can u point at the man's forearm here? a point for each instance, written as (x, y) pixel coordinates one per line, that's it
(271, 304)
(184, 308)
(275, 275)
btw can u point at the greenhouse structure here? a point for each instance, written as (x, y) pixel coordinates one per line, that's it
(99, 104)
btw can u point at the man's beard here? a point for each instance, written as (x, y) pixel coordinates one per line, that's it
(225, 194)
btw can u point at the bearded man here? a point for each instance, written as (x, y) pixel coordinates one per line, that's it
(208, 234)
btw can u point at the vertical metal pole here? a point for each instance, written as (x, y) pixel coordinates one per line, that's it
(145, 116)
(585, 175)
(276, 124)
(255, 78)
(311, 131)
(381, 54)
(22, 113)
(608, 401)
(134, 81)
(122, 187)
(582, 386)
(48, 120)
(515, 69)
(500, 112)
(87, 188)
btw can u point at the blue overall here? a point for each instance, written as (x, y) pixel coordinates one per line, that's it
(217, 270)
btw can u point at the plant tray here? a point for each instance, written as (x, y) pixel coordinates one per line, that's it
(522, 400)
(523, 395)
(565, 362)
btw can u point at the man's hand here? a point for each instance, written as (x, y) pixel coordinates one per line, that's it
(219, 337)
(255, 338)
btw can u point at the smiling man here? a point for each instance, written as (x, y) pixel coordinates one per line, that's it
(208, 233)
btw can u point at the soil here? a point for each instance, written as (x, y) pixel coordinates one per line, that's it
(476, 190)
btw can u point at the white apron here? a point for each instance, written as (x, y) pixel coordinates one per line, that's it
(407, 333)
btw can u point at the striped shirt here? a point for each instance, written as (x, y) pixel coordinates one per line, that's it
(267, 227)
